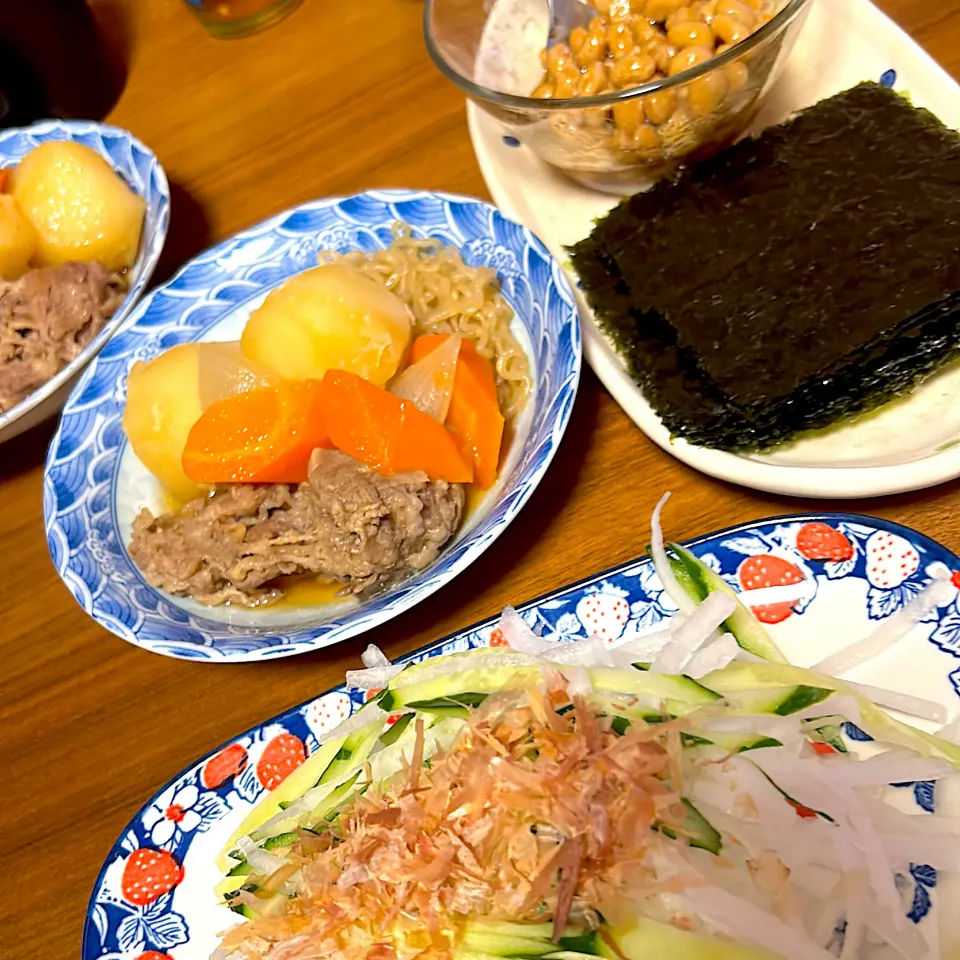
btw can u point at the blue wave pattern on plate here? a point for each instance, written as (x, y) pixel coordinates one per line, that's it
(84, 457)
(142, 171)
(626, 598)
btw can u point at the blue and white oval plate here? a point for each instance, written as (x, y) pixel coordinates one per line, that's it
(141, 170)
(857, 572)
(94, 485)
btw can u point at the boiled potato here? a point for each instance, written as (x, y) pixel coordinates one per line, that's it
(329, 318)
(17, 239)
(79, 207)
(163, 403)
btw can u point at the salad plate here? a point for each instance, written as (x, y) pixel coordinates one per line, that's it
(154, 895)
(94, 485)
(908, 444)
(142, 172)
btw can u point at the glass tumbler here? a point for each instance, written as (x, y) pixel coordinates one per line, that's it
(229, 19)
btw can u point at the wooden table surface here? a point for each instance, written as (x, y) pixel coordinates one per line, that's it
(339, 98)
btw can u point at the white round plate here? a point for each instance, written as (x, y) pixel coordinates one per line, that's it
(908, 445)
(94, 485)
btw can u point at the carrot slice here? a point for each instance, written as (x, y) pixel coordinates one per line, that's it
(474, 413)
(260, 436)
(389, 434)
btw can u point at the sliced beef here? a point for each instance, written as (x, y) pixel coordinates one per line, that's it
(46, 318)
(346, 522)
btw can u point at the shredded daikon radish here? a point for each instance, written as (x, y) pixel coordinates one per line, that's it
(699, 627)
(890, 631)
(714, 656)
(662, 564)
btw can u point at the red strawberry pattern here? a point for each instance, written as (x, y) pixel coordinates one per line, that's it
(890, 560)
(497, 639)
(327, 712)
(281, 756)
(603, 615)
(819, 541)
(153, 955)
(765, 570)
(955, 578)
(148, 874)
(226, 764)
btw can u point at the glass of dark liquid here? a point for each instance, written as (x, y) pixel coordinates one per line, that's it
(240, 18)
(54, 63)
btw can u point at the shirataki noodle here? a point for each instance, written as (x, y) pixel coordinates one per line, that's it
(448, 296)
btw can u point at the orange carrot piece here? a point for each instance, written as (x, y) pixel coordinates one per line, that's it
(260, 436)
(474, 413)
(389, 434)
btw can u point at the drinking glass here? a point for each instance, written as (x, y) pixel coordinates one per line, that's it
(240, 18)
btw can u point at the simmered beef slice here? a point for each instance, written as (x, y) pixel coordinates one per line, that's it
(347, 522)
(46, 318)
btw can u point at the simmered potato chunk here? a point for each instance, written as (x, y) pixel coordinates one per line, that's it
(17, 239)
(80, 209)
(163, 403)
(329, 318)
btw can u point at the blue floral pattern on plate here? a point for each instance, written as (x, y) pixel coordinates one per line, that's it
(193, 815)
(141, 170)
(80, 482)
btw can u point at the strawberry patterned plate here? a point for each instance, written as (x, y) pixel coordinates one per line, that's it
(153, 899)
(907, 445)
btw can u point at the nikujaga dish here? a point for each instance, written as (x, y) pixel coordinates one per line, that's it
(339, 438)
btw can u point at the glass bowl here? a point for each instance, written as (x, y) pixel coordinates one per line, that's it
(614, 136)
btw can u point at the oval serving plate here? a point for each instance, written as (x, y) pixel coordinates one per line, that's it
(137, 165)
(94, 485)
(907, 445)
(196, 812)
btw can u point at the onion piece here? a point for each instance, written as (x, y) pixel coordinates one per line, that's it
(662, 564)
(223, 371)
(428, 383)
(890, 631)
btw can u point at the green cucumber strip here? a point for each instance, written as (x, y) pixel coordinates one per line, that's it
(746, 629)
(619, 725)
(695, 829)
(392, 733)
(651, 940)
(281, 840)
(801, 698)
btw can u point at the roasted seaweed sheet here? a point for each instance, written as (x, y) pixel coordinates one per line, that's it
(797, 279)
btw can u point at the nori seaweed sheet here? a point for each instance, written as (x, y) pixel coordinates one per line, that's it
(798, 278)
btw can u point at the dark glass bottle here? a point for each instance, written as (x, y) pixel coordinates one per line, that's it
(53, 63)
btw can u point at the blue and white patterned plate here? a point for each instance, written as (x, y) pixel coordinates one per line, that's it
(878, 567)
(143, 173)
(94, 486)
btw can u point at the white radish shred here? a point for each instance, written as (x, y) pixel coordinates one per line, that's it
(904, 702)
(519, 636)
(373, 656)
(752, 924)
(890, 631)
(661, 563)
(714, 656)
(258, 858)
(699, 627)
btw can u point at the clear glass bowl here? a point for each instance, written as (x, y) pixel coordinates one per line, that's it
(620, 140)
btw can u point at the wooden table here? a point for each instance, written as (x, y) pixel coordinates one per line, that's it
(339, 98)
